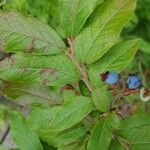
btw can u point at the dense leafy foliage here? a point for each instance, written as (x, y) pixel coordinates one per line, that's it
(65, 76)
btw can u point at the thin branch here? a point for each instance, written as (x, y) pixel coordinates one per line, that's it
(13, 105)
(81, 68)
(4, 134)
(122, 141)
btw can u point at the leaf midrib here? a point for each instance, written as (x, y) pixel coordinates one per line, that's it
(29, 36)
(31, 93)
(102, 132)
(75, 110)
(74, 17)
(101, 30)
(119, 56)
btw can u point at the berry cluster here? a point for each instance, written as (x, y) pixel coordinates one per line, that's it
(133, 81)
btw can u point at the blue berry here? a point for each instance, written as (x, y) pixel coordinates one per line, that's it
(112, 78)
(133, 82)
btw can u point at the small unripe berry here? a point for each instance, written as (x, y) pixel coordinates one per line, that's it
(133, 82)
(112, 78)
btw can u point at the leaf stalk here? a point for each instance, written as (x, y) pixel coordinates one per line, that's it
(81, 68)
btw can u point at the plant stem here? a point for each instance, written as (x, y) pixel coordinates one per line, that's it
(5, 133)
(13, 105)
(140, 68)
(70, 87)
(122, 141)
(81, 68)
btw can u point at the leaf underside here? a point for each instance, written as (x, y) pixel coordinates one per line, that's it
(54, 70)
(21, 34)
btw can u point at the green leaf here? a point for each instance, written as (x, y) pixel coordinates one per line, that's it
(135, 121)
(83, 89)
(23, 136)
(64, 138)
(145, 47)
(74, 14)
(24, 34)
(69, 147)
(47, 147)
(3, 115)
(143, 10)
(101, 99)
(116, 146)
(68, 95)
(102, 132)
(21, 6)
(103, 30)
(34, 94)
(116, 59)
(54, 13)
(84, 144)
(40, 118)
(51, 70)
(3, 148)
(2, 2)
(136, 130)
(71, 113)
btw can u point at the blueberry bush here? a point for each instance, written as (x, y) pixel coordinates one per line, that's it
(74, 74)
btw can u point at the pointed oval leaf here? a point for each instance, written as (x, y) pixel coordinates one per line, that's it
(23, 136)
(114, 145)
(24, 34)
(101, 134)
(64, 138)
(40, 118)
(103, 30)
(116, 59)
(47, 70)
(145, 47)
(136, 131)
(101, 99)
(31, 94)
(74, 14)
(71, 113)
